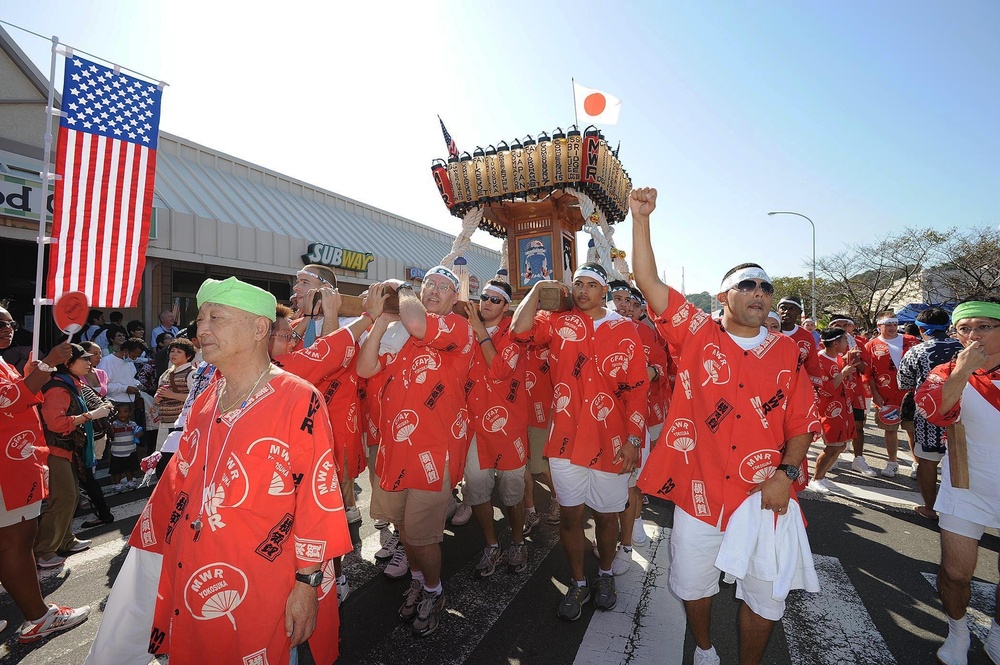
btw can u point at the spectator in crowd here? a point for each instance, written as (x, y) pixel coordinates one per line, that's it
(168, 318)
(69, 432)
(773, 322)
(95, 391)
(114, 319)
(810, 325)
(95, 320)
(136, 328)
(968, 387)
(125, 435)
(916, 365)
(174, 385)
(120, 368)
(114, 336)
(21, 480)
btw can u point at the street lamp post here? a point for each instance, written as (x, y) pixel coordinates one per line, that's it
(798, 214)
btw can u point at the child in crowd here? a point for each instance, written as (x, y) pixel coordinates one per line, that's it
(124, 459)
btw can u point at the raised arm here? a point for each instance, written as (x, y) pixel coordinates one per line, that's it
(524, 315)
(641, 203)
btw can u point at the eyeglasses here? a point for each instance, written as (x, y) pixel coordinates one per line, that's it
(496, 300)
(751, 285)
(287, 336)
(440, 288)
(965, 331)
(9, 324)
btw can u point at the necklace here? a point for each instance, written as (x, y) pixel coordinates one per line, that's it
(242, 400)
(197, 524)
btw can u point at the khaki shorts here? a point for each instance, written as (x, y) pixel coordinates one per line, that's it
(418, 514)
(537, 437)
(479, 483)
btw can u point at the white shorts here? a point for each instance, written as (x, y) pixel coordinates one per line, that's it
(962, 527)
(18, 515)
(602, 491)
(694, 546)
(918, 452)
(479, 483)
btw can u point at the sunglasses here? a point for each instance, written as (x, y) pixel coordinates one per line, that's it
(9, 324)
(751, 285)
(496, 300)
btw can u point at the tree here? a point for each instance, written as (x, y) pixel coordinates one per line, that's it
(703, 300)
(970, 264)
(801, 286)
(867, 278)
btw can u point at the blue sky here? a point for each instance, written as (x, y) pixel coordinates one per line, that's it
(867, 117)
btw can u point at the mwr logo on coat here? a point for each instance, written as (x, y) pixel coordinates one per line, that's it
(326, 487)
(716, 365)
(682, 436)
(277, 451)
(214, 591)
(758, 466)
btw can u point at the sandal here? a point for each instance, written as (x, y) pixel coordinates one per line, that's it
(925, 512)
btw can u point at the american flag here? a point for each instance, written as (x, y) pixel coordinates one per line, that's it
(452, 148)
(103, 202)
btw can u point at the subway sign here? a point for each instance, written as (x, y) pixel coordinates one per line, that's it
(337, 257)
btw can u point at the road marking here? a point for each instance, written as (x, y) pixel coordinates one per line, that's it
(832, 627)
(472, 606)
(648, 623)
(981, 606)
(900, 497)
(102, 553)
(122, 512)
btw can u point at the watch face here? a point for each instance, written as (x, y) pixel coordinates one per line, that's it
(790, 471)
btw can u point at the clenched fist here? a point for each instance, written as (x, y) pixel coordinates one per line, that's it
(642, 201)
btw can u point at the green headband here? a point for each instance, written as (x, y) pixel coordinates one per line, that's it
(976, 309)
(234, 293)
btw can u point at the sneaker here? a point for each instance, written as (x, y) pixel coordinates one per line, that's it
(517, 558)
(861, 466)
(554, 513)
(398, 566)
(79, 546)
(531, 520)
(913, 471)
(90, 524)
(890, 470)
(52, 562)
(488, 562)
(57, 619)
(381, 524)
(131, 485)
(621, 563)
(605, 597)
(993, 642)
(3, 625)
(343, 589)
(118, 488)
(389, 548)
(827, 483)
(353, 514)
(817, 486)
(462, 514)
(639, 536)
(645, 500)
(452, 507)
(572, 605)
(408, 610)
(708, 657)
(428, 609)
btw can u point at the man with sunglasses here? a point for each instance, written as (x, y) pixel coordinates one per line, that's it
(598, 421)
(738, 431)
(966, 392)
(498, 410)
(422, 358)
(790, 313)
(883, 355)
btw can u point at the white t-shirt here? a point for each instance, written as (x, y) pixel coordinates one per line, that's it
(895, 348)
(747, 343)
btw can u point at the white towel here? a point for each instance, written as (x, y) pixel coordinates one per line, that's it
(779, 552)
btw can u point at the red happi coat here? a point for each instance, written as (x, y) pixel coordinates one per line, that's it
(498, 402)
(25, 453)
(599, 385)
(807, 352)
(881, 367)
(659, 391)
(835, 411)
(538, 382)
(267, 491)
(423, 395)
(330, 364)
(730, 415)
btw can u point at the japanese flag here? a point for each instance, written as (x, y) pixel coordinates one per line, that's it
(594, 106)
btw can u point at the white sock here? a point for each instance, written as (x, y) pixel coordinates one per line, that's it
(958, 627)
(342, 580)
(581, 583)
(417, 575)
(626, 548)
(437, 589)
(603, 572)
(530, 511)
(993, 642)
(708, 650)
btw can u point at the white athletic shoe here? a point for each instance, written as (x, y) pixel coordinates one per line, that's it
(861, 466)
(955, 650)
(993, 642)
(709, 657)
(817, 486)
(353, 514)
(343, 589)
(399, 565)
(890, 470)
(639, 533)
(622, 562)
(462, 514)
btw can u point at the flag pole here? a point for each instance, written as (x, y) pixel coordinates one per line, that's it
(46, 175)
(576, 120)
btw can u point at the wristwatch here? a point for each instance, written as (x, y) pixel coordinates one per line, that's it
(404, 285)
(313, 579)
(635, 441)
(791, 471)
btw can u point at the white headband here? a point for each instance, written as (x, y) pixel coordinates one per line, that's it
(887, 320)
(773, 315)
(490, 288)
(444, 272)
(844, 319)
(740, 275)
(591, 273)
(312, 274)
(786, 301)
